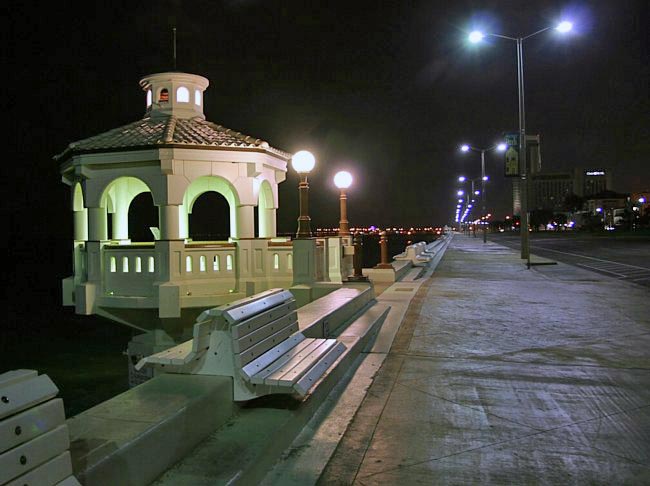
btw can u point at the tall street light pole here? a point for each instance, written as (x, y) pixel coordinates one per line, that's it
(303, 162)
(466, 148)
(343, 180)
(477, 36)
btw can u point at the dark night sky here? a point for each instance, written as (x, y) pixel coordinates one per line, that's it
(385, 89)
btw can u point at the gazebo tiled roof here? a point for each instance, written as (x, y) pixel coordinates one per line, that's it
(165, 132)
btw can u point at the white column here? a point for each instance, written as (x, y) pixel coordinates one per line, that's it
(97, 229)
(80, 225)
(121, 219)
(245, 223)
(267, 223)
(169, 221)
(183, 223)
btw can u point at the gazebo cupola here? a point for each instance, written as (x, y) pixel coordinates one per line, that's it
(174, 94)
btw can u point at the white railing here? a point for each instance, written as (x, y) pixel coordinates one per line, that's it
(129, 270)
(279, 259)
(209, 261)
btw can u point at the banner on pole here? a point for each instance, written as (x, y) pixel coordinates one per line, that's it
(511, 165)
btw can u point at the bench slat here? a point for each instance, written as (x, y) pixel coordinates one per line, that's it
(251, 339)
(25, 394)
(242, 310)
(270, 356)
(14, 376)
(242, 359)
(287, 360)
(31, 423)
(308, 379)
(36, 452)
(292, 371)
(201, 336)
(48, 474)
(252, 324)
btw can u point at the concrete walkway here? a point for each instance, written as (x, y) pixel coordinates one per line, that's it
(502, 375)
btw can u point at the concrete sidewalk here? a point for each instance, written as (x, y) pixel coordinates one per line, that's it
(502, 375)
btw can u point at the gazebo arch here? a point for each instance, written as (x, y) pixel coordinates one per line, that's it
(116, 199)
(205, 184)
(266, 211)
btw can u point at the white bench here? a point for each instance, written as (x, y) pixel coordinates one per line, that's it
(34, 438)
(257, 342)
(416, 253)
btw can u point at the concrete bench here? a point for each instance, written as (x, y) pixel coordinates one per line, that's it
(257, 342)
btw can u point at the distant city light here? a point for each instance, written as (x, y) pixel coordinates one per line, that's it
(564, 26)
(460, 192)
(485, 178)
(502, 147)
(476, 36)
(599, 210)
(462, 179)
(642, 200)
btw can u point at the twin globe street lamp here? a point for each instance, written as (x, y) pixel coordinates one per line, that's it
(478, 36)
(501, 147)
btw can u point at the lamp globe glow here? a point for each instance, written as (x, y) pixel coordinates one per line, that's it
(464, 148)
(476, 36)
(303, 161)
(462, 179)
(502, 147)
(564, 26)
(460, 192)
(343, 179)
(642, 199)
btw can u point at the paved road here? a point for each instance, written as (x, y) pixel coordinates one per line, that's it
(621, 257)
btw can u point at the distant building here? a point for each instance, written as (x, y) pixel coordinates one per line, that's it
(589, 182)
(548, 190)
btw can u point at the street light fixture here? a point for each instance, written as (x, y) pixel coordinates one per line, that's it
(343, 180)
(303, 162)
(476, 37)
(466, 148)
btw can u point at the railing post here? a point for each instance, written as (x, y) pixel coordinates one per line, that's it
(358, 260)
(383, 246)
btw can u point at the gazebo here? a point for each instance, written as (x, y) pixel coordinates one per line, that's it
(176, 155)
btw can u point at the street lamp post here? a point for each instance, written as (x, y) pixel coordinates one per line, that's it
(343, 180)
(466, 148)
(303, 162)
(477, 36)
